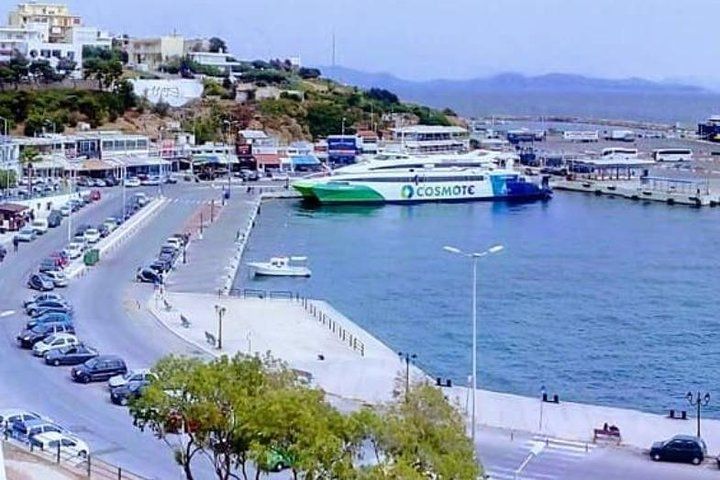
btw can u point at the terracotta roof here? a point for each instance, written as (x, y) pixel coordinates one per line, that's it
(12, 208)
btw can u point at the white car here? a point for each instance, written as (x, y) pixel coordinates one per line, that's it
(110, 225)
(132, 182)
(69, 445)
(10, 415)
(135, 375)
(92, 235)
(174, 242)
(58, 278)
(65, 210)
(40, 226)
(74, 250)
(26, 234)
(54, 342)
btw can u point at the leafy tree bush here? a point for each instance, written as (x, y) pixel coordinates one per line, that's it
(309, 73)
(217, 45)
(324, 118)
(382, 95)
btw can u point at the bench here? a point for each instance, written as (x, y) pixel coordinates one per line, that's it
(184, 321)
(612, 433)
(210, 338)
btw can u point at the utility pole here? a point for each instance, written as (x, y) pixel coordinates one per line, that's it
(407, 357)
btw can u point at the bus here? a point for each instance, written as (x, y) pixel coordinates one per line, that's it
(673, 155)
(618, 153)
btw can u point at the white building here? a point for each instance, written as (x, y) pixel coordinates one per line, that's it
(92, 37)
(9, 154)
(150, 53)
(219, 60)
(14, 40)
(430, 139)
(57, 17)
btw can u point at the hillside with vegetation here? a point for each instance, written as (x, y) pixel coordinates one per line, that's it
(36, 98)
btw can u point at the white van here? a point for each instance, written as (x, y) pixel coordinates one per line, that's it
(39, 226)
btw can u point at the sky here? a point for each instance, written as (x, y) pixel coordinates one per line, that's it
(424, 39)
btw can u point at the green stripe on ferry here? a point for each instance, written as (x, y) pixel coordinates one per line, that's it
(344, 193)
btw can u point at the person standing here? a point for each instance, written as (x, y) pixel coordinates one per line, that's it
(16, 242)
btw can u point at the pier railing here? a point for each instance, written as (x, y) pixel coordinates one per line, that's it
(325, 319)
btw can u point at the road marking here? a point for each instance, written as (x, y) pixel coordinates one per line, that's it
(6, 313)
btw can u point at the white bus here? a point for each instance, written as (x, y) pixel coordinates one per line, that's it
(618, 153)
(673, 155)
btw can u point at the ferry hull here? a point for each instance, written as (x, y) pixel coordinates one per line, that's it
(334, 193)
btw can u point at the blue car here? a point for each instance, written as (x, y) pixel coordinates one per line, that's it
(50, 317)
(24, 431)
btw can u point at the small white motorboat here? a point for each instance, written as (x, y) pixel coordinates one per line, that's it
(282, 267)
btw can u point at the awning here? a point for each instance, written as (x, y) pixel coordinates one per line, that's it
(267, 158)
(96, 165)
(12, 208)
(214, 159)
(300, 160)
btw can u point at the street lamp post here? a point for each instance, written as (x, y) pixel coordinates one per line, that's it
(543, 392)
(698, 401)
(342, 130)
(474, 256)
(220, 310)
(407, 357)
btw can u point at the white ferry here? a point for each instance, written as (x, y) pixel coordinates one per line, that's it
(479, 175)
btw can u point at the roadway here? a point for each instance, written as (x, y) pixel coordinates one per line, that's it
(502, 455)
(107, 317)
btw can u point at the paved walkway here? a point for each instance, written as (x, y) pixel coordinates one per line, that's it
(354, 364)
(209, 255)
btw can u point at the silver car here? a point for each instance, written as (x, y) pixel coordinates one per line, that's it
(58, 278)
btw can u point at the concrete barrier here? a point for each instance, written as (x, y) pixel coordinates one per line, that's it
(120, 235)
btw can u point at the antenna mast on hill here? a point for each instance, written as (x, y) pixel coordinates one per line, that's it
(333, 48)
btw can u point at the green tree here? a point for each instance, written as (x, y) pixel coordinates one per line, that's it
(106, 72)
(324, 118)
(8, 178)
(43, 71)
(28, 156)
(18, 65)
(422, 436)
(217, 45)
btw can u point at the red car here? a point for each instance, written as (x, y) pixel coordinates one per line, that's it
(61, 259)
(95, 195)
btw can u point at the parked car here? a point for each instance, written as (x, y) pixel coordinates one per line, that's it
(38, 281)
(50, 318)
(680, 448)
(54, 342)
(183, 237)
(12, 415)
(100, 368)
(65, 210)
(41, 297)
(54, 219)
(141, 199)
(101, 183)
(174, 242)
(60, 257)
(68, 445)
(170, 179)
(48, 265)
(160, 266)
(58, 278)
(92, 235)
(33, 307)
(26, 234)
(72, 355)
(134, 375)
(25, 430)
(104, 230)
(28, 338)
(40, 226)
(3, 253)
(121, 395)
(74, 250)
(132, 182)
(95, 195)
(45, 310)
(147, 275)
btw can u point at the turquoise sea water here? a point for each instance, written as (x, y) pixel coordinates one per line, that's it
(600, 300)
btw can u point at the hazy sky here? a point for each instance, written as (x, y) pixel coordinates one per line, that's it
(421, 39)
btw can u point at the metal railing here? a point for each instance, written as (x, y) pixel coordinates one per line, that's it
(326, 320)
(85, 465)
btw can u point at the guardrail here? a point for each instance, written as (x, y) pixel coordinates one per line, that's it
(87, 466)
(326, 320)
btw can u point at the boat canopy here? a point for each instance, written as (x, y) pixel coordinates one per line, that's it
(298, 259)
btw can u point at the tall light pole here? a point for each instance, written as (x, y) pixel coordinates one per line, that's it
(474, 256)
(5, 128)
(220, 310)
(342, 131)
(698, 401)
(407, 358)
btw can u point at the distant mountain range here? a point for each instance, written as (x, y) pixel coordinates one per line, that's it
(554, 93)
(509, 82)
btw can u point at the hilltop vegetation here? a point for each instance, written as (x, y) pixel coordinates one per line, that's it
(308, 106)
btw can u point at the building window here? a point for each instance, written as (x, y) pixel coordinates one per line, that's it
(45, 53)
(56, 53)
(107, 145)
(71, 55)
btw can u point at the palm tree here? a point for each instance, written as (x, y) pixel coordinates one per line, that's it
(27, 157)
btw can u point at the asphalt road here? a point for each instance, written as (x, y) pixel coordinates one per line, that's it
(101, 300)
(501, 456)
